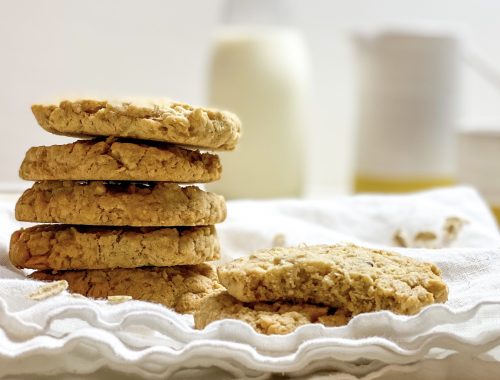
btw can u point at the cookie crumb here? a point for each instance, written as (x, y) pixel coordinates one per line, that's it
(452, 227)
(118, 299)
(400, 239)
(279, 240)
(425, 239)
(49, 290)
(425, 235)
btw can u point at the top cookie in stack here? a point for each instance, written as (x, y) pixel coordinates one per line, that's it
(164, 121)
(118, 197)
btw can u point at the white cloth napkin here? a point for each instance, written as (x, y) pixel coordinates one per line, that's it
(66, 334)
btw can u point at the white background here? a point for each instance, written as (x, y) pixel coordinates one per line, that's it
(55, 48)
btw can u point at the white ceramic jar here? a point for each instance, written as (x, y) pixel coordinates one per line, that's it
(408, 108)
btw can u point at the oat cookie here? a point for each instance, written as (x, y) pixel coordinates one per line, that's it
(120, 160)
(165, 121)
(266, 318)
(348, 277)
(63, 247)
(120, 204)
(181, 287)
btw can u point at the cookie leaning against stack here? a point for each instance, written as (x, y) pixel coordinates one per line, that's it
(125, 225)
(279, 289)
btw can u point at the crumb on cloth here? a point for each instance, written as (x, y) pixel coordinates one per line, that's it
(451, 228)
(400, 239)
(118, 299)
(49, 290)
(425, 239)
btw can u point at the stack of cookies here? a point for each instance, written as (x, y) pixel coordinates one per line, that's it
(124, 221)
(279, 289)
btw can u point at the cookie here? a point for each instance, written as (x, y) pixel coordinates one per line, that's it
(348, 277)
(164, 121)
(181, 288)
(265, 318)
(120, 160)
(156, 204)
(63, 247)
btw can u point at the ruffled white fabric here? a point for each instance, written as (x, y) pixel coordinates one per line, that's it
(67, 334)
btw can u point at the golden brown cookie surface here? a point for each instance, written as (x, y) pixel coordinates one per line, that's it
(120, 204)
(348, 277)
(164, 121)
(181, 288)
(63, 247)
(266, 318)
(119, 160)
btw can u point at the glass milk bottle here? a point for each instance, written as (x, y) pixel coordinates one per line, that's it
(260, 72)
